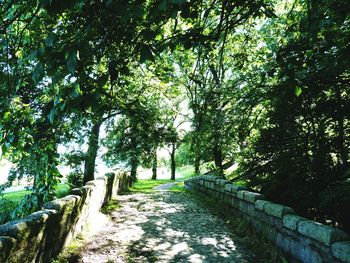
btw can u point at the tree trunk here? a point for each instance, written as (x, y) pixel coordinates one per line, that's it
(173, 163)
(343, 150)
(218, 158)
(197, 163)
(90, 158)
(197, 154)
(154, 165)
(133, 172)
(196, 143)
(217, 151)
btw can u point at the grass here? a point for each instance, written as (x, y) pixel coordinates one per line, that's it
(62, 190)
(72, 253)
(178, 187)
(16, 196)
(147, 185)
(110, 207)
(9, 201)
(185, 172)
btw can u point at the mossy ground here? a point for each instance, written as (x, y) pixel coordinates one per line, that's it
(110, 207)
(72, 253)
(177, 187)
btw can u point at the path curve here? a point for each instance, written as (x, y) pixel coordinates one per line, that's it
(164, 227)
(164, 187)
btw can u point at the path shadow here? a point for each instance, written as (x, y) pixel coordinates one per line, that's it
(179, 228)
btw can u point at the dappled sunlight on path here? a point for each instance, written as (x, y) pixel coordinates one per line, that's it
(164, 227)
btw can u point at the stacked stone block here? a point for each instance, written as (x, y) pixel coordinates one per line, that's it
(303, 240)
(43, 234)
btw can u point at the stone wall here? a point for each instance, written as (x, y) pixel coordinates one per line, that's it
(303, 240)
(43, 234)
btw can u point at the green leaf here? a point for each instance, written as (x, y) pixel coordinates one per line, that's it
(177, 2)
(72, 61)
(33, 55)
(52, 115)
(7, 116)
(49, 40)
(139, 11)
(38, 73)
(76, 92)
(149, 34)
(63, 105)
(298, 91)
(163, 6)
(173, 14)
(56, 101)
(41, 51)
(145, 53)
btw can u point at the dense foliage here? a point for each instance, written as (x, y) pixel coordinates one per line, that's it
(302, 153)
(263, 84)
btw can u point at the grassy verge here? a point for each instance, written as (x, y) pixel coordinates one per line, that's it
(185, 172)
(16, 196)
(146, 186)
(62, 190)
(110, 207)
(178, 187)
(72, 253)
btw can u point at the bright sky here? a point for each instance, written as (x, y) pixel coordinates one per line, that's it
(4, 170)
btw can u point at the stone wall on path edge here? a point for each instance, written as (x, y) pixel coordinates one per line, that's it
(42, 235)
(303, 240)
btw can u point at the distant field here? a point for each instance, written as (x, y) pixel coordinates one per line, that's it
(182, 172)
(62, 190)
(9, 201)
(147, 185)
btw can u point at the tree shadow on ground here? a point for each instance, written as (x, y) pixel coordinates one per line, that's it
(178, 228)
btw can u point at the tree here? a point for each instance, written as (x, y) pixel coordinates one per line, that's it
(301, 151)
(143, 127)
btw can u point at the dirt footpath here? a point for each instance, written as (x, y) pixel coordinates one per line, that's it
(163, 227)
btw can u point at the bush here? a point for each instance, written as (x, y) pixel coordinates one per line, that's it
(6, 207)
(75, 179)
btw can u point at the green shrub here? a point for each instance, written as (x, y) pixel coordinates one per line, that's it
(75, 179)
(6, 207)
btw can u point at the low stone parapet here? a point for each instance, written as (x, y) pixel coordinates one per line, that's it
(301, 239)
(42, 235)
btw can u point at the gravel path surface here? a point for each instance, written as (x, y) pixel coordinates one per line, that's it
(164, 187)
(164, 227)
